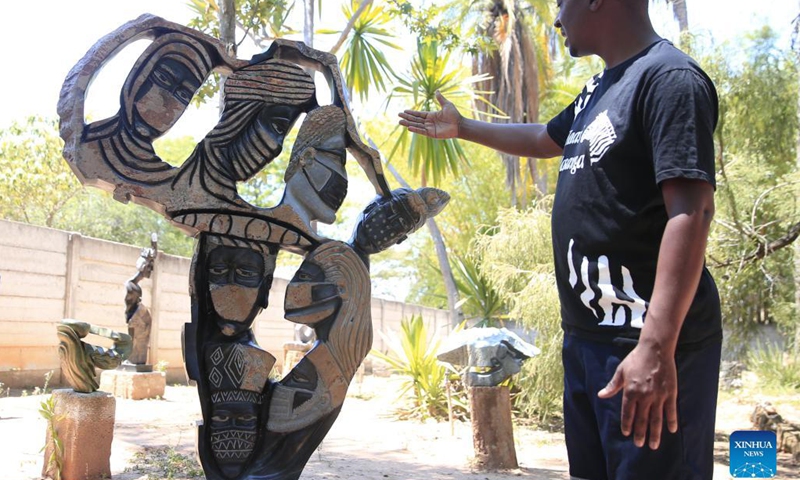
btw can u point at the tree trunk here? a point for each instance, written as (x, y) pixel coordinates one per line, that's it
(349, 26)
(492, 428)
(681, 14)
(227, 33)
(797, 244)
(308, 22)
(456, 315)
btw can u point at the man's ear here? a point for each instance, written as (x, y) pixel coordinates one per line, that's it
(594, 5)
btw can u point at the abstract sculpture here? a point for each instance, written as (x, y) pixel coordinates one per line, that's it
(253, 428)
(137, 315)
(488, 355)
(79, 359)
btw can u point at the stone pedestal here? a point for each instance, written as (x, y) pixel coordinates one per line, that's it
(492, 429)
(85, 425)
(133, 385)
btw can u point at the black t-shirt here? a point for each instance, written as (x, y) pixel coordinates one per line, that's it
(633, 126)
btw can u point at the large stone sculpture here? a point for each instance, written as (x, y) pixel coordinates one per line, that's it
(137, 315)
(253, 427)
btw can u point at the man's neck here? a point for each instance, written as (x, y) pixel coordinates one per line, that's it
(626, 34)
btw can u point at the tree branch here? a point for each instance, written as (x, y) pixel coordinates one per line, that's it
(765, 249)
(349, 26)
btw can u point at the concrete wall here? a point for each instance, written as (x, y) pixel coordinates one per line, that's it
(47, 275)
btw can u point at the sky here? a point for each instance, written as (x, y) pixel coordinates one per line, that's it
(42, 40)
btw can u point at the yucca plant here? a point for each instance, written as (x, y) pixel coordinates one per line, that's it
(363, 63)
(479, 297)
(431, 71)
(413, 356)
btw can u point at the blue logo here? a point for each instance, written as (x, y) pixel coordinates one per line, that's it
(754, 454)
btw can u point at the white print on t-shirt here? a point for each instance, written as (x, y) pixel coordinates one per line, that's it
(600, 134)
(590, 87)
(615, 305)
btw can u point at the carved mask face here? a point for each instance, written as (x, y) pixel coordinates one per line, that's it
(234, 427)
(330, 183)
(163, 98)
(236, 282)
(309, 298)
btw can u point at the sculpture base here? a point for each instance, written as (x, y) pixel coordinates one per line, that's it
(492, 429)
(84, 423)
(132, 367)
(133, 385)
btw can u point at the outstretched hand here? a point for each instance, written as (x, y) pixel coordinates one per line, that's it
(442, 124)
(649, 384)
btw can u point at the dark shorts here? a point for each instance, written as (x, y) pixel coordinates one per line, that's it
(597, 449)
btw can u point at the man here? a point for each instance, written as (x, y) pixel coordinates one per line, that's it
(634, 202)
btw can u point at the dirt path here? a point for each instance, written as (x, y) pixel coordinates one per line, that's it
(366, 442)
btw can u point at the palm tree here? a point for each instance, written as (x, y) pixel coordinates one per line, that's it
(515, 56)
(680, 13)
(431, 160)
(363, 62)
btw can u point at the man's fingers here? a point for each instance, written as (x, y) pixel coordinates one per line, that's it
(412, 123)
(421, 131)
(614, 386)
(440, 98)
(656, 422)
(640, 423)
(413, 115)
(626, 415)
(671, 411)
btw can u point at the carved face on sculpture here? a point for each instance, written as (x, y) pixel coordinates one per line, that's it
(239, 279)
(237, 374)
(162, 82)
(316, 180)
(310, 297)
(262, 102)
(330, 292)
(234, 430)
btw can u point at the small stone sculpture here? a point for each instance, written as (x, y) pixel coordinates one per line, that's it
(79, 359)
(253, 428)
(137, 315)
(489, 355)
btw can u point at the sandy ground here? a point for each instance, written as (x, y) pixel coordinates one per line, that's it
(366, 442)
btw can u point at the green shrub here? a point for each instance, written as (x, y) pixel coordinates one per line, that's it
(413, 356)
(517, 258)
(775, 368)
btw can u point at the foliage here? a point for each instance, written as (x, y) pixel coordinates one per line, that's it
(432, 71)
(517, 260)
(363, 63)
(479, 297)
(775, 368)
(35, 181)
(260, 19)
(413, 355)
(758, 184)
(55, 462)
(160, 463)
(38, 187)
(429, 23)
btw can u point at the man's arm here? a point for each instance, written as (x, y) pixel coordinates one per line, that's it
(647, 376)
(520, 139)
